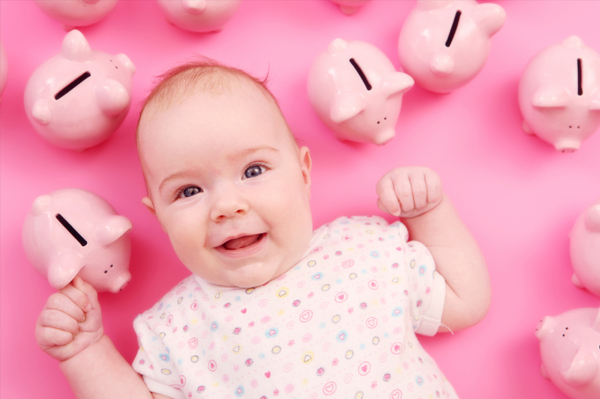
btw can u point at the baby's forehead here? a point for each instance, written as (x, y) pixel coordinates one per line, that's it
(178, 89)
(175, 105)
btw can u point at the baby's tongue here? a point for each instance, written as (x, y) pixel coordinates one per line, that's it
(241, 242)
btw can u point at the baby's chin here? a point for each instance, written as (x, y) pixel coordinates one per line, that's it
(248, 276)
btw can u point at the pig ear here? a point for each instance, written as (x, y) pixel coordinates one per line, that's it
(489, 18)
(75, 47)
(432, 4)
(573, 42)
(194, 6)
(550, 97)
(346, 106)
(397, 82)
(41, 204)
(40, 111)
(583, 369)
(337, 46)
(545, 327)
(63, 268)
(112, 97)
(112, 229)
(592, 219)
(126, 62)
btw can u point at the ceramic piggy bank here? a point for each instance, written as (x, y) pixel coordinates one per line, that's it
(356, 91)
(585, 250)
(199, 15)
(349, 7)
(569, 350)
(559, 94)
(74, 13)
(444, 44)
(77, 98)
(75, 232)
(3, 69)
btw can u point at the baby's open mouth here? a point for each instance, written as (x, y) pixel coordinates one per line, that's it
(242, 242)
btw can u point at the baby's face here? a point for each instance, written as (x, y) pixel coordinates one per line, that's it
(228, 185)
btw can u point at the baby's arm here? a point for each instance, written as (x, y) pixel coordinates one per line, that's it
(415, 195)
(70, 330)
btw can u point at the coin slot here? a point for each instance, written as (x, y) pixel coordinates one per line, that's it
(72, 85)
(361, 74)
(579, 78)
(453, 29)
(71, 230)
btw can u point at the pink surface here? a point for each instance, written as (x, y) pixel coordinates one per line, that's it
(519, 196)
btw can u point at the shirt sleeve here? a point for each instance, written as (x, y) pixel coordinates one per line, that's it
(154, 363)
(427, 289)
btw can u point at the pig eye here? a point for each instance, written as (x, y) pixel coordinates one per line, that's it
(453, 28)
(361, 74)
(71, 230)
(72, 85)
(579, 78)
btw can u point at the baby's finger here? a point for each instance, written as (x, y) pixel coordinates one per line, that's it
(419, 190)
(48, 337)
(76, 295)
(434, 187)
(89, 292)
(56, 319)
(387, 202)
(403, 191)
(93, 319)
(64, 304)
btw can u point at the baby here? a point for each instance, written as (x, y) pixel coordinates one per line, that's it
(272, 308)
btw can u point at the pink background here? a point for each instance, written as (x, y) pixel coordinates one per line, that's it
(517, 194)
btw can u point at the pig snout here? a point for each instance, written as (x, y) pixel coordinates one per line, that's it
(120, 282)
(384, 136)
(442, 65)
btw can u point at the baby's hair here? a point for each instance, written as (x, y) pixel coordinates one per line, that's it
(204, 74)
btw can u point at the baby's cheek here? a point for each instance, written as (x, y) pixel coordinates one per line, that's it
(187, 238)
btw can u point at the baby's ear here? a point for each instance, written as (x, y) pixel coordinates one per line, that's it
(148, 202)
(305, 165)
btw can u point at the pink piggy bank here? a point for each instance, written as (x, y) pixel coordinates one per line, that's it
(199, 15)
(3, 69)
(559, 94)
(349, 7)
(73, 232)
(74, 13)
(585, 250)
(569, 350)
(356, 91)
(444, 44)
(78, 98)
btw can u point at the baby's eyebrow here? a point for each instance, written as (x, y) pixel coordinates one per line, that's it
(249, 151)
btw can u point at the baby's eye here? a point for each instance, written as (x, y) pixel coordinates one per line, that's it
(254, 171)
(189, 191)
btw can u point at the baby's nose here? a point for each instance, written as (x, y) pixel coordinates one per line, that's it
(229, 204)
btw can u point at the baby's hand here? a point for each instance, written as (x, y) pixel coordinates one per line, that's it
(409, 192)
(70, 322)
